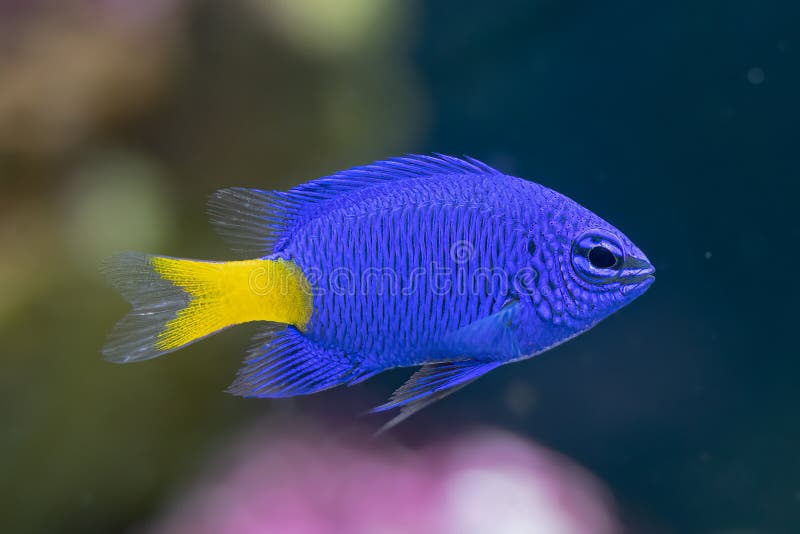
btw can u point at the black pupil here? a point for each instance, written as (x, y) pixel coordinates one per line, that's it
(602, 258)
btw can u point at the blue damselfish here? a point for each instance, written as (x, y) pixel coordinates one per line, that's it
(431, 261)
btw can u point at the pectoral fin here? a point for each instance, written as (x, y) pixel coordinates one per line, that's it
(488, 342)
(491, 337)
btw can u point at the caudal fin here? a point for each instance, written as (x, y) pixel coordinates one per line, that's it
(177, 302)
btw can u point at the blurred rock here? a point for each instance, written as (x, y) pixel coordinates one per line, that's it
(118, 201)
(70, 67)
(333, 28)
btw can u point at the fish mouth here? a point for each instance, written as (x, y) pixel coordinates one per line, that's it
(636, 271)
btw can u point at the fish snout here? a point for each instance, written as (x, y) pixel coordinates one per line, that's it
(636, 270)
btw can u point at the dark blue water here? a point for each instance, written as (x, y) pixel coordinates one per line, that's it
(677, 122)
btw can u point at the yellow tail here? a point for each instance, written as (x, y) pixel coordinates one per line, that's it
(176, 301)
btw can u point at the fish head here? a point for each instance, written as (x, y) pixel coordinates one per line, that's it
(585, 270)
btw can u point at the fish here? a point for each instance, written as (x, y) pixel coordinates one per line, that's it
(436, 262)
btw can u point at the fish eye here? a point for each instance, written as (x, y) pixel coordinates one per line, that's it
(601, 257)
(597, 257)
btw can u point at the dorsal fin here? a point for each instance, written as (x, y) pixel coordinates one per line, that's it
(258, 222)
(250, 220)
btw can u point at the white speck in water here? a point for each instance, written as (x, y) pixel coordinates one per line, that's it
(755, 76)
(707, 255)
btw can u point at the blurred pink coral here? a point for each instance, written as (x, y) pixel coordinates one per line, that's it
(305, 482)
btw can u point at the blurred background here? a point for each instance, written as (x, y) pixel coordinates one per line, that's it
(675, 121)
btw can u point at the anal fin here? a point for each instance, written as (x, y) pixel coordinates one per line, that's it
(284, 363)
